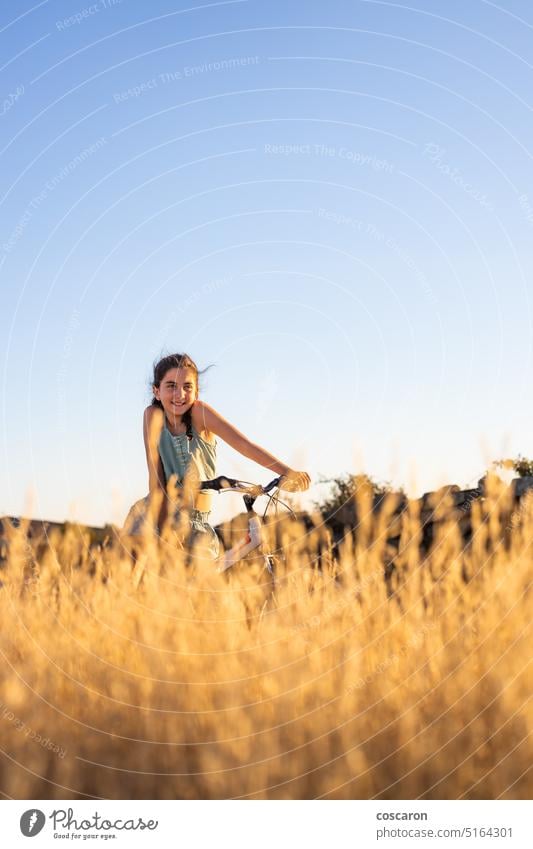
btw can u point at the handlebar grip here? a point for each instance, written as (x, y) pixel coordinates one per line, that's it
(218, 483)
(272, 485)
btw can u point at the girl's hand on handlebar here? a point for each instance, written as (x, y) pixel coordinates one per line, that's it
(294, 481)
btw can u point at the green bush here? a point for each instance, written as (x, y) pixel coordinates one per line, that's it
(521, 465)
(344, 488)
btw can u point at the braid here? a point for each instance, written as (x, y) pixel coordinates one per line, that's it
(187, 421)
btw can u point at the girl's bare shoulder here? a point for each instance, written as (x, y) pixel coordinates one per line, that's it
(153, 416)
(198, 416)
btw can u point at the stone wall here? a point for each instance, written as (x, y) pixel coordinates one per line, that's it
(449, 502)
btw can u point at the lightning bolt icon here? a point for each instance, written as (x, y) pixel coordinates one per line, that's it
(33, 820)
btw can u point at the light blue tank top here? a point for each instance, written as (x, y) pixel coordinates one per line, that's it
(177, 454)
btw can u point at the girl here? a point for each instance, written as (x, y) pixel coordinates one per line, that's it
(179, 436)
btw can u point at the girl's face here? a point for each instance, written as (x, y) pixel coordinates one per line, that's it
(177, 392)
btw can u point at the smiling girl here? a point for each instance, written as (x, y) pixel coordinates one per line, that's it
(180, 437)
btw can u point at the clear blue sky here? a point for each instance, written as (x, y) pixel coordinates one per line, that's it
(331, 202)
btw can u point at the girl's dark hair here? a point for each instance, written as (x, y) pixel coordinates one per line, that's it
(160, 370)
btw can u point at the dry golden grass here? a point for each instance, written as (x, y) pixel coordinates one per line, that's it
(171, 681)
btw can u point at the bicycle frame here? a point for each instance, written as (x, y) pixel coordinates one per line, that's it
(254, 537)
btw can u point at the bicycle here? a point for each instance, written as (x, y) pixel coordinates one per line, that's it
(254, 538)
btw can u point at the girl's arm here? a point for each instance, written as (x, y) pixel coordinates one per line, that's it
(213, 421)
(153, 422)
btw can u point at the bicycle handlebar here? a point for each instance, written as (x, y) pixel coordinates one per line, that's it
(233, 485)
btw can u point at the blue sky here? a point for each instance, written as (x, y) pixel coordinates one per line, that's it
(331, 203)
